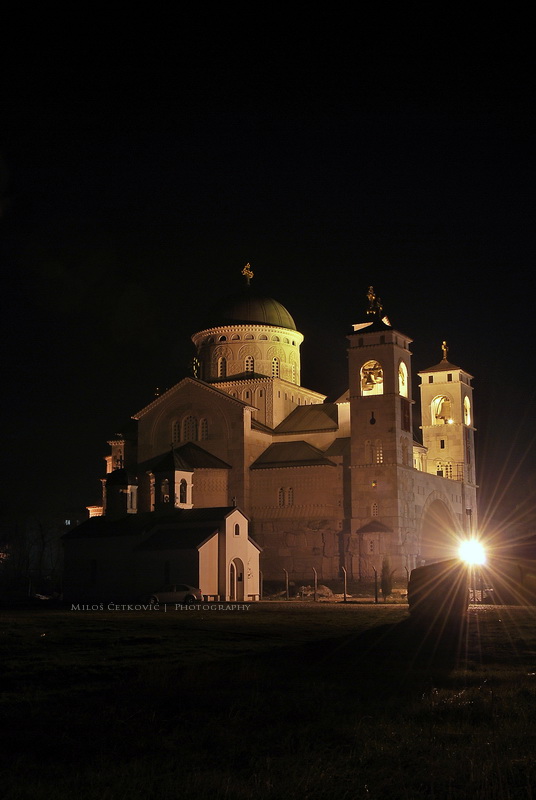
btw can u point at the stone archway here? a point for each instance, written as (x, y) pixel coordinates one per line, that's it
(439, 537)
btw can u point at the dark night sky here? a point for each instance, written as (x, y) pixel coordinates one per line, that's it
(136, 188)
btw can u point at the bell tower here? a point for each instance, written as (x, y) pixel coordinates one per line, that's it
(379, 361)
(448, 428)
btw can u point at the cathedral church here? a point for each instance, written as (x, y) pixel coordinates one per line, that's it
(326, 487)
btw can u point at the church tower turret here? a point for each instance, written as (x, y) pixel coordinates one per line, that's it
(379, 362)
(448, 428)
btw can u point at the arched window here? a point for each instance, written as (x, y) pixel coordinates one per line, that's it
(281, 498)
(441, 410)
(290, 496)
(189, 429)
(249, 364)
(203, 429)
(183, 491)
(374, 510)
(371, 377)
(275, 367)
(378, 451)
(237, 529)
(222, 367)
(176, 431)
(164, 490)
(467, 411)
(402, 379)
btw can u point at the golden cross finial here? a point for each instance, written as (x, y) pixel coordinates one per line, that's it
(247, 272)
(445, 350)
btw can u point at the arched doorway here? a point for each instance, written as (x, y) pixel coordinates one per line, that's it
(439, 532)
(236, 579)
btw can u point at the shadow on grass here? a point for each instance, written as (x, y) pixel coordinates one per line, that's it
(352, 716)
(406, 652)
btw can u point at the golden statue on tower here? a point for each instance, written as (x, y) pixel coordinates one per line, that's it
(375, 303)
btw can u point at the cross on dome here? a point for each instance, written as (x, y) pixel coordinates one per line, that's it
(247, 272)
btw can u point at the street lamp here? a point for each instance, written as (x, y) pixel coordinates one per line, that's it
(472, 552)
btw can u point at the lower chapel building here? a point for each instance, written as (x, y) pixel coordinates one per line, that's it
(324, 485)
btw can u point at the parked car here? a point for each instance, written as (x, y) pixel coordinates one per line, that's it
(177, 593)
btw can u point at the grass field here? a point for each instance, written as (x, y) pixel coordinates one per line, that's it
(284, 700)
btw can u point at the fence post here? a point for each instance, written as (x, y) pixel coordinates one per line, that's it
(375, 584)
(315, 582)
(345, 581)
(286, 583)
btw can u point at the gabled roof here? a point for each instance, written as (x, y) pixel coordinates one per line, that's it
(121, 477)
(443, 366)
(196, 382)
(338, 447)
(137, 524)
(375, 526)
(315, 417)
(242, 376)
(170, 462)
(187, 457)
(291, 454)
(176, 538)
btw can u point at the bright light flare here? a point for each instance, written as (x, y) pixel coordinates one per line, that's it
(472, 552)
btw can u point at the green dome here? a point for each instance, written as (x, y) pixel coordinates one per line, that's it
(246, 306)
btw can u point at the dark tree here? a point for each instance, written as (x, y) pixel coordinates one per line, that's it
(386, 581)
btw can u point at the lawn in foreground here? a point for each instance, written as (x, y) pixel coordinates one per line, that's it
(286, 699)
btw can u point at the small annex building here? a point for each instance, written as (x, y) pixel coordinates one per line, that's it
(128, 558)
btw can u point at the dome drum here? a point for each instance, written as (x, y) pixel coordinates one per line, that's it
(236, 349)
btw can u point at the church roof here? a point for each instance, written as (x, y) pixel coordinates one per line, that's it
(181, 538)
(241, 376)
(121, 477)
(185, 383)
(170, 462)
(375, 526)
(177, 538)
(291, 454)
(249, 306)
(339, 447)
(372, 325)
(443, 366)
(187, 457)
(132, 524)
(315, 417)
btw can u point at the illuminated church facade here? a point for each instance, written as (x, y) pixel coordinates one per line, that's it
(327, 487)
